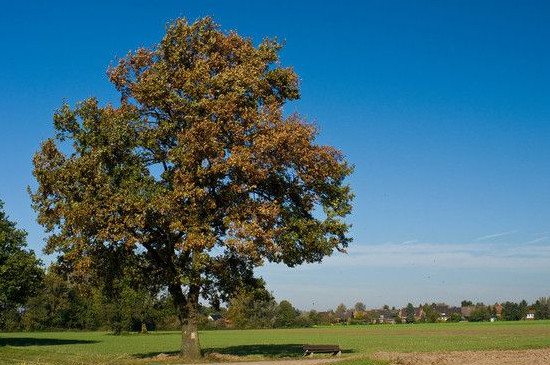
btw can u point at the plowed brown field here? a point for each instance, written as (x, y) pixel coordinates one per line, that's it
(496, 357)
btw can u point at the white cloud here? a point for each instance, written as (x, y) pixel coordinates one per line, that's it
(445, 256)
(495, 235)
(537, 240)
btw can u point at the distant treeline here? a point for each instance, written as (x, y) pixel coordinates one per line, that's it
(61, 303)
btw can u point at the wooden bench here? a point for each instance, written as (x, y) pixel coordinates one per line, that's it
(309, 350)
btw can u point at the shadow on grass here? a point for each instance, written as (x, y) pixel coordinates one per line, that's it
(285, 350)
(148, 355)
(30, 341)
(272, 351)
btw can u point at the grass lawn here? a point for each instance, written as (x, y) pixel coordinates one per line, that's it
(103, 348)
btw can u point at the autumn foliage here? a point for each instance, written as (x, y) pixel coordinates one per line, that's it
(196, 176)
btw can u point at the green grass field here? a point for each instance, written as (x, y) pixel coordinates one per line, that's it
(104, 348)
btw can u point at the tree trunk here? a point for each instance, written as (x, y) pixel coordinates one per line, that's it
(188, 314)
(190, 345)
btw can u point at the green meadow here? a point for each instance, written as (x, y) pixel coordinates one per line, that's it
(234, 345)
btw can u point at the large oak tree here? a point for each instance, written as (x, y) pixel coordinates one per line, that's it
(197, 175)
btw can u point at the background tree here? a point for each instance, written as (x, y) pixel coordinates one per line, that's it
(466, 303)
(480, 313)
(20, 271)
(63, 303)
(370, 316)
(315, 318)
(511, 311)
(197, 173)
(455, 317)
(252, 309)
(360, 307)
(341, 311)
(59, 304)
(542, 308)
(409, 311)
(430, 315)
(523, 307)
(129, 295)
(285, 315)
(127, 308)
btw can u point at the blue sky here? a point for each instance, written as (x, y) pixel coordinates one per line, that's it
(442, 106)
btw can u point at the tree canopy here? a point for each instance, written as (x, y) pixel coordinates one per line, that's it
(197, 176)
(409, 311)
(20, 272)
(360, 307)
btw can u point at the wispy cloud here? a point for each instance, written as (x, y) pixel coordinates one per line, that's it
(495, 235)
(537, 240)
(486, 255)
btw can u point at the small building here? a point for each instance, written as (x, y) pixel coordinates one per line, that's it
(419, 314)
(445, 311)
(530, 315)
(344, 317)
(385, 316)
(498, 309)
(215, 317)
(467, 311)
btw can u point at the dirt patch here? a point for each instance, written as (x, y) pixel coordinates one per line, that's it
(216, 357)
(301, 361)
(496, 357)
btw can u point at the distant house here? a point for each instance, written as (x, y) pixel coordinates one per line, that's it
(444, 311)
(344, 317)
(454, 310)
(419, 314)
(530, 315)
(402, 314)
(498, 310)
(215, 317)
(467, 311)
(385, 316)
